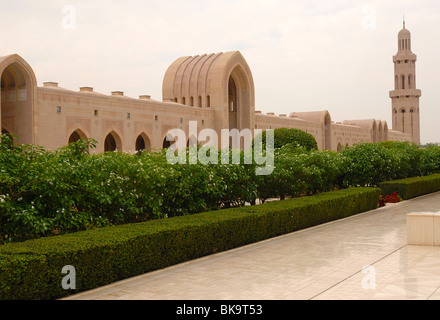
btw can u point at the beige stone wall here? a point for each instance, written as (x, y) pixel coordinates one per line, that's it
(348, 135)
(96, 115)
(272, 121)
(399, 136)
(216, 90)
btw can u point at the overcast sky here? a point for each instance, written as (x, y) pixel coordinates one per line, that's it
(305, 55)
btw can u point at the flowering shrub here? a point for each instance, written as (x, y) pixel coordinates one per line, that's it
(300, 172)
(368, 164)
(391, 198)
(45, 193)
(293, 137)
(429, 161)
(407, 159)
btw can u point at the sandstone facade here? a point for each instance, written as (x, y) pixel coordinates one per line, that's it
(216, 90)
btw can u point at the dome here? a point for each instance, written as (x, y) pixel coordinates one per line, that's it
(404, 33)
(200, 76)
(404, 40)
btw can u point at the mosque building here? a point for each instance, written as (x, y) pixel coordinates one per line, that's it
(214, 90)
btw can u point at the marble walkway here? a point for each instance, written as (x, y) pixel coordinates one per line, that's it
(365, 257)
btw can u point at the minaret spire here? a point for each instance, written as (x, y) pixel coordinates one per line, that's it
(405, 96)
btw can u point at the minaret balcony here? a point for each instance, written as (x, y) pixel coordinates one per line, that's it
(402, 56)
(405, 92)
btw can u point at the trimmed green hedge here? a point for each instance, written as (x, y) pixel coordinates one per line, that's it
(32, 269)
(412, 187)
(45, 193)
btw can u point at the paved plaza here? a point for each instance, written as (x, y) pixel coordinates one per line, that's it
(361, 257)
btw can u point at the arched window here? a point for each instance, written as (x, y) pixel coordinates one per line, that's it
(143, 143)
(232, 92)
(183, 100)
(396, 84)
(140, 144)
(327, 132)
(112, 142)
(192, 142)
(17, 82)
(403, 82)
(409, 82)
(6, 133)
(208, 101)
(403, 111)
(191, 101)
(412, 122)
(76, 136)
(200, 102)
(166, 143)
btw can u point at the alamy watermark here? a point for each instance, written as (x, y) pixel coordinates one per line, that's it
(69, 19)
(69, 281)
(369, 280)
(230, 150)
(368, 17)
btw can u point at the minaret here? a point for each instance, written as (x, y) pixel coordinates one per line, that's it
(405, 96)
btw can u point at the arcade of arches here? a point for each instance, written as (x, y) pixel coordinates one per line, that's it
(214, 90)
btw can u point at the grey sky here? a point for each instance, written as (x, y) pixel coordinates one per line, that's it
(304, 55)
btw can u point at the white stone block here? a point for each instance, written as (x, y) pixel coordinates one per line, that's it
(437, 229)
(423, 229)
